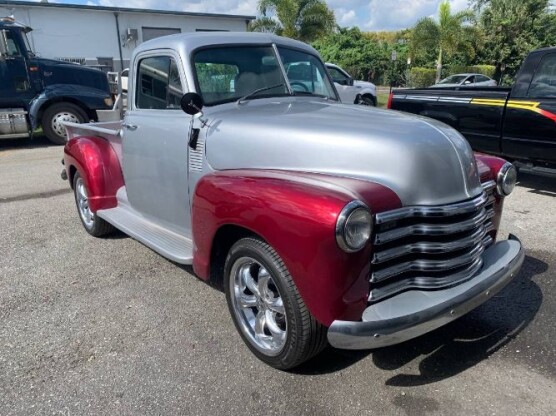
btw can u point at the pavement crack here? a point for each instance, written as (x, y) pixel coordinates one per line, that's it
(37, 195)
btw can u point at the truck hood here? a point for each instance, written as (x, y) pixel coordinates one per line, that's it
(56, 72)
(424, 161)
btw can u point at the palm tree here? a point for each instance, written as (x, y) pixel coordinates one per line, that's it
(450, 34)
(305, 20)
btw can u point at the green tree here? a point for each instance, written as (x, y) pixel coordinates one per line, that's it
(451, 34)
(305, 20)
(512, 29)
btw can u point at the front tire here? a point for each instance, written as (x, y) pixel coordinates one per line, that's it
(266, 307)
(55, 115)
(93, 224)
(368, 100)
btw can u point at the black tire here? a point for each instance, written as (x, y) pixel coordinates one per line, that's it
(368, 99)
(68, 111)
(97, 227)
(305, 337)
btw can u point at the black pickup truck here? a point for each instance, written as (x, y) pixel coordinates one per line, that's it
(518, 123)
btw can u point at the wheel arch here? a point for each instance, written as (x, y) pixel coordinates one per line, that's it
(224, 238)
(38, 113)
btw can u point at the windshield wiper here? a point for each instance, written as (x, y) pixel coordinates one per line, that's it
(251, 94)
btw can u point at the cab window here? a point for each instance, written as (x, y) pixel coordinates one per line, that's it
(158, 84)
(12, 44)
(544, 81)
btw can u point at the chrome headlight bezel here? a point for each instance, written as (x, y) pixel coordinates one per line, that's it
(343, 222)
(506, 175)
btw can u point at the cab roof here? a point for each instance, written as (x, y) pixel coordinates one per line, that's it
(9, 21)
(188, 42)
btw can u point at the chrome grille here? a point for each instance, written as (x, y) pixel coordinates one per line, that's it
(430, 247)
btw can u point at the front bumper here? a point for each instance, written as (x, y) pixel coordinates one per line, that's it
(414, 313)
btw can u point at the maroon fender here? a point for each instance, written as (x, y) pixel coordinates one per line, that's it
(97, 163)
(489, 166)
(296, 214)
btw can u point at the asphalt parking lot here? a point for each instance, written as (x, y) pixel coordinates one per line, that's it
(106, 326)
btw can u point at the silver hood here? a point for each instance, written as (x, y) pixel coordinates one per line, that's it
(424, 161)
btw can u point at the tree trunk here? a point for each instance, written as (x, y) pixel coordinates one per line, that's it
(439, 67)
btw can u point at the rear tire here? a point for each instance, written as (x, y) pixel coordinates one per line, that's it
(266, 307)
(93, 224)
(56, 114)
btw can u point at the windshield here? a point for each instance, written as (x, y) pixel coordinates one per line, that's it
(229, 73)
(454, 79)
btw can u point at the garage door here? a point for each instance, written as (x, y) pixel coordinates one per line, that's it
(156, 32)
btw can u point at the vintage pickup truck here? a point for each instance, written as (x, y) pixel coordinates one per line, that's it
(517, 123)
(324, 222)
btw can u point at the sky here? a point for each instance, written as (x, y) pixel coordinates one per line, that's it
(368, 15)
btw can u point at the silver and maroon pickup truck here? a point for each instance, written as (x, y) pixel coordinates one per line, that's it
(323, 222)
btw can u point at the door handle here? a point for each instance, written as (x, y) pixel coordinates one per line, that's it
(131, 127)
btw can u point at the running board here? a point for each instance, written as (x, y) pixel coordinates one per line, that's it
(167, 243)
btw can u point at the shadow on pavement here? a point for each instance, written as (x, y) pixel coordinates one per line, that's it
(453, 348)
(34, 143)
(464, 343)
(536, 184)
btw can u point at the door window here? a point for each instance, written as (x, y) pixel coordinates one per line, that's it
(544, 81)
(158, 84)
(337, 75)
(13, 47)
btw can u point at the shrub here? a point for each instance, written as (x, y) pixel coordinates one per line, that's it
(421, 77)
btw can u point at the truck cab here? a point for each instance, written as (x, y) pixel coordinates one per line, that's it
(38, 92)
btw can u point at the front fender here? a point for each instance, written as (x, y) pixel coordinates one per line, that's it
(99, 166)
(89, 98)
(296, 214)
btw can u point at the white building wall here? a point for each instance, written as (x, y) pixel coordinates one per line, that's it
(89, 34)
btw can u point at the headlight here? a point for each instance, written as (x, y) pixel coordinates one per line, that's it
(354, 227)
(109, 101)
(506, 179)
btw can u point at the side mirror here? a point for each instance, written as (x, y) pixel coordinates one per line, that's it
(192, 103)
(350, 82)
(467, 82)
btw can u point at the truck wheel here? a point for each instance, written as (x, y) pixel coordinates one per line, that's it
(55, 115)
(368, 99)
(266, 307)
(94, 225)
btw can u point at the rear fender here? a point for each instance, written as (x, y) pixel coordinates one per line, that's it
(296, 214)
(98, 165)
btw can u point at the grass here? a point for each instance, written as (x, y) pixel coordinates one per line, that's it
(382, 99)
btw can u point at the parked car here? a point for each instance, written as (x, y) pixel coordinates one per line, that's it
(350, 90)
(324, 222)
(466, 80)
(43, 92)
(518, 123)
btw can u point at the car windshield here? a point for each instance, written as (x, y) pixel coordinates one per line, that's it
(454, 79)
(225, 74)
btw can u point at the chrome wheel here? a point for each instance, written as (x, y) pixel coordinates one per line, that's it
(82, 200)
(258, 306)
(59, 118)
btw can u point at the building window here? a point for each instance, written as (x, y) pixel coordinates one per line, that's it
(157, 32)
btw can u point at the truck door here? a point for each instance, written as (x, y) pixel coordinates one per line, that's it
(530, 122)
(15, 88)
(155, 142)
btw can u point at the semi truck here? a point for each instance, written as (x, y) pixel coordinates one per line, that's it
(38, 92)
